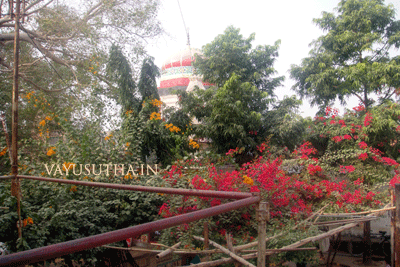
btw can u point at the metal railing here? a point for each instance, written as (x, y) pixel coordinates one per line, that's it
(53, 251)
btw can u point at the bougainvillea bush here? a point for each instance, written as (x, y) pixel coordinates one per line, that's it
(361, 145)
(291, 197)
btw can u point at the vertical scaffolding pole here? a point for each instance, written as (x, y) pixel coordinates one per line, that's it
(397, 226)
(15, 188)
(262, 233)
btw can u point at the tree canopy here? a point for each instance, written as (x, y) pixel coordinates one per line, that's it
(70, 46)
(231, 53)
(231, 113)
(147, 82)
(353, 58)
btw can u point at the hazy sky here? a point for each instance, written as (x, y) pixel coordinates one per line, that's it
(289, 21)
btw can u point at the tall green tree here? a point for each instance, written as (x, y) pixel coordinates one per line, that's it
(231, 113)
(236, 116)
(353, 58)
(120, 71)
(231, 53)
(148, 79)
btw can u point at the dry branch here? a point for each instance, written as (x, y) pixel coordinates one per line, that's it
(360, 213)
(231, 254)
(168, 251)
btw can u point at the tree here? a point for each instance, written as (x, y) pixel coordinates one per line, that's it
(232, 112)
(69, 47)
(230, 53)
(147, 82)
(120, 71)
(353, 57)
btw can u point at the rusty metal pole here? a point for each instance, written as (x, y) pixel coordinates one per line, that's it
(262, 233)
(15, 188)
(397, 226)
(206, 245)
(68, 247)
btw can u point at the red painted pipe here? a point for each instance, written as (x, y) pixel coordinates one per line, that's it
(164, 190)
(60, 249)
(6, 177)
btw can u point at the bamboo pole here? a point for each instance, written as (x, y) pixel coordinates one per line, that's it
(360, 213)
(289, 247)
(15, 186)
(262, 233)
(168, 251)
(397, 226)
(226, 251)
(367, 243)
(366, 219)
(253, 244)
(176, 251)
(392, 227)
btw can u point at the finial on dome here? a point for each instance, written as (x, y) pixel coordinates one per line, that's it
(184, 24)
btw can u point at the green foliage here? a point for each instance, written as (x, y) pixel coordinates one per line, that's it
(230, 53)
(63, 212)
(353, 58)
(147, 82)
(119, 70)
(283, 124)
(366, 141)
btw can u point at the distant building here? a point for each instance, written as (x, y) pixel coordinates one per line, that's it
(177, 73)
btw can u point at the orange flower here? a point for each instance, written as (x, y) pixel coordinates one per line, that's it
(68, 166)
(155, 116)
(51, 151)
(4, 151)
(128, 176)
(156, 102)
(73, 189)
(42, 123)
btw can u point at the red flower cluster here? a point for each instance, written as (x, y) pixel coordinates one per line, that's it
(363, 156)
(359, 108)
(305, 150)
(347, 169)
(314, 169)
(368, 119)
(362, 145)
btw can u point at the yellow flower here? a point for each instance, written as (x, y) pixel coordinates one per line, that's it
(51, 151)
(155, 116)
(247, 180)
(156, 102)
(174, 129)
(193, 144)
